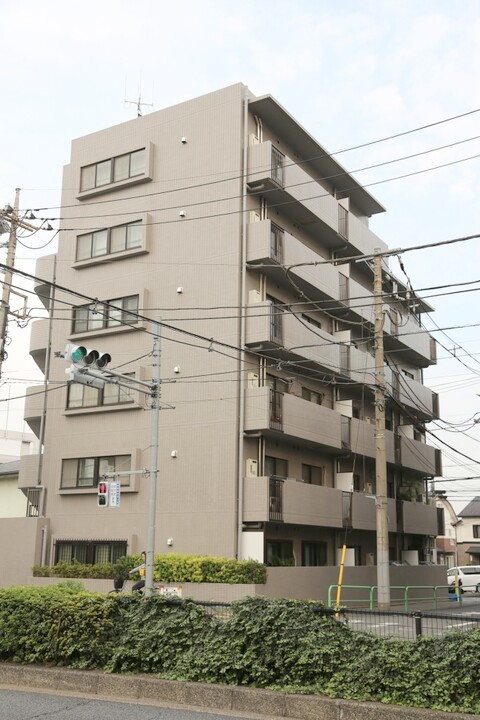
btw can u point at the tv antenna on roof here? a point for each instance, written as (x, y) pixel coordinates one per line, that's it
(139, 105)
(138, 102)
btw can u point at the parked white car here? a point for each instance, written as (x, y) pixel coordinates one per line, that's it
(468, 576)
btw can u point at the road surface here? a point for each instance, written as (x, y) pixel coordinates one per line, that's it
(25, 705)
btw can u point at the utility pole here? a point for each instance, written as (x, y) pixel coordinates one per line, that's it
(9, 215)
(152, 501)
(383, 567)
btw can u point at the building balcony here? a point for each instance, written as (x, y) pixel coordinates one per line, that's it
(284, 337)
(271, 412)
(290, 189)
(414, 395)
(417, 518)
(44, 276)
(34, 400)
(358, 436)
(410, 339)
(39, 342)
(362, 513)
(271, 247)
(28, 472)
(286, 500)
(361, 238)
(413, 454)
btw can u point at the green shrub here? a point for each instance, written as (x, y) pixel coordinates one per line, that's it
(167, 568)
(287, 645)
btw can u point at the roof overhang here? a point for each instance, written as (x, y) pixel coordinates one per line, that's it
(281, 122)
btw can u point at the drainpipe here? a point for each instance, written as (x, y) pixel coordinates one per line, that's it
(43, 419)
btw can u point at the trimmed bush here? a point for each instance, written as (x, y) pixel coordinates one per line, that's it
(287, 645)
(167, 568)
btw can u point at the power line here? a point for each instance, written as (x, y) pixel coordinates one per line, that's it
(298, 162)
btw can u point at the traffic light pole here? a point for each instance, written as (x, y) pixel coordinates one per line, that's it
(88, 368)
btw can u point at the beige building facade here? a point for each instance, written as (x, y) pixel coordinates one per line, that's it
(228, 220)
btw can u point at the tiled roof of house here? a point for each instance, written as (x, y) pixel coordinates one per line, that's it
(10, 468)
(472, 509)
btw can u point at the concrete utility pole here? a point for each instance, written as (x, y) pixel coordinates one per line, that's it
(152, 502)
(383, 567)
(11, 217)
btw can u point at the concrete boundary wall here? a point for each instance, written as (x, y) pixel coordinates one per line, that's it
(148, 689)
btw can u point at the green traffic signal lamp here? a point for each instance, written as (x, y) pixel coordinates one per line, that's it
(86, 357)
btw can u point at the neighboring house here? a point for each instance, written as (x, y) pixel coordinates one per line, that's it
(468, 533)
(448, 526)
(13, 502)
(13, 444)
(194, 213)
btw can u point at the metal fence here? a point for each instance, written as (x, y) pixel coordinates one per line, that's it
(407, 626)
(388, 624)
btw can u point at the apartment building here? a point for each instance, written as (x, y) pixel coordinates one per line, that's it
(226, 219)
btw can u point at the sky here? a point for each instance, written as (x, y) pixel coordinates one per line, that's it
(352, 73)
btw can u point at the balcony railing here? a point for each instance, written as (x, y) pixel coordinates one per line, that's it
(276, 243)
(278, 162)
(276, 324)
(276, 410)
(275, 499)
(343, 222)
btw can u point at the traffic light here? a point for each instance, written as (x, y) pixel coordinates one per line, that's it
(102, 494)
(82, 356)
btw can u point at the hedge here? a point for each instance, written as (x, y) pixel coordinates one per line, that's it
(167, 568)
(286, 645)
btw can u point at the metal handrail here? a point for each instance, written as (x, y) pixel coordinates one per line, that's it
(406, 589)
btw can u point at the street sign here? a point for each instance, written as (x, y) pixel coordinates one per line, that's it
(114, 493)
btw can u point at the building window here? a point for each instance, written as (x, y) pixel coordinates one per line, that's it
(97, 316)
(276, 467)
(109, 241)
(114, 170)
(280, 552)
(313, 474)
(90, 552)
(476, 531)
(311, 321)
(314, 554)
(84, 396)
(86, 472)
(312, 396)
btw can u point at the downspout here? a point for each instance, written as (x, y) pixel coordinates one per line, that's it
(43, 419)
(241, 363)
